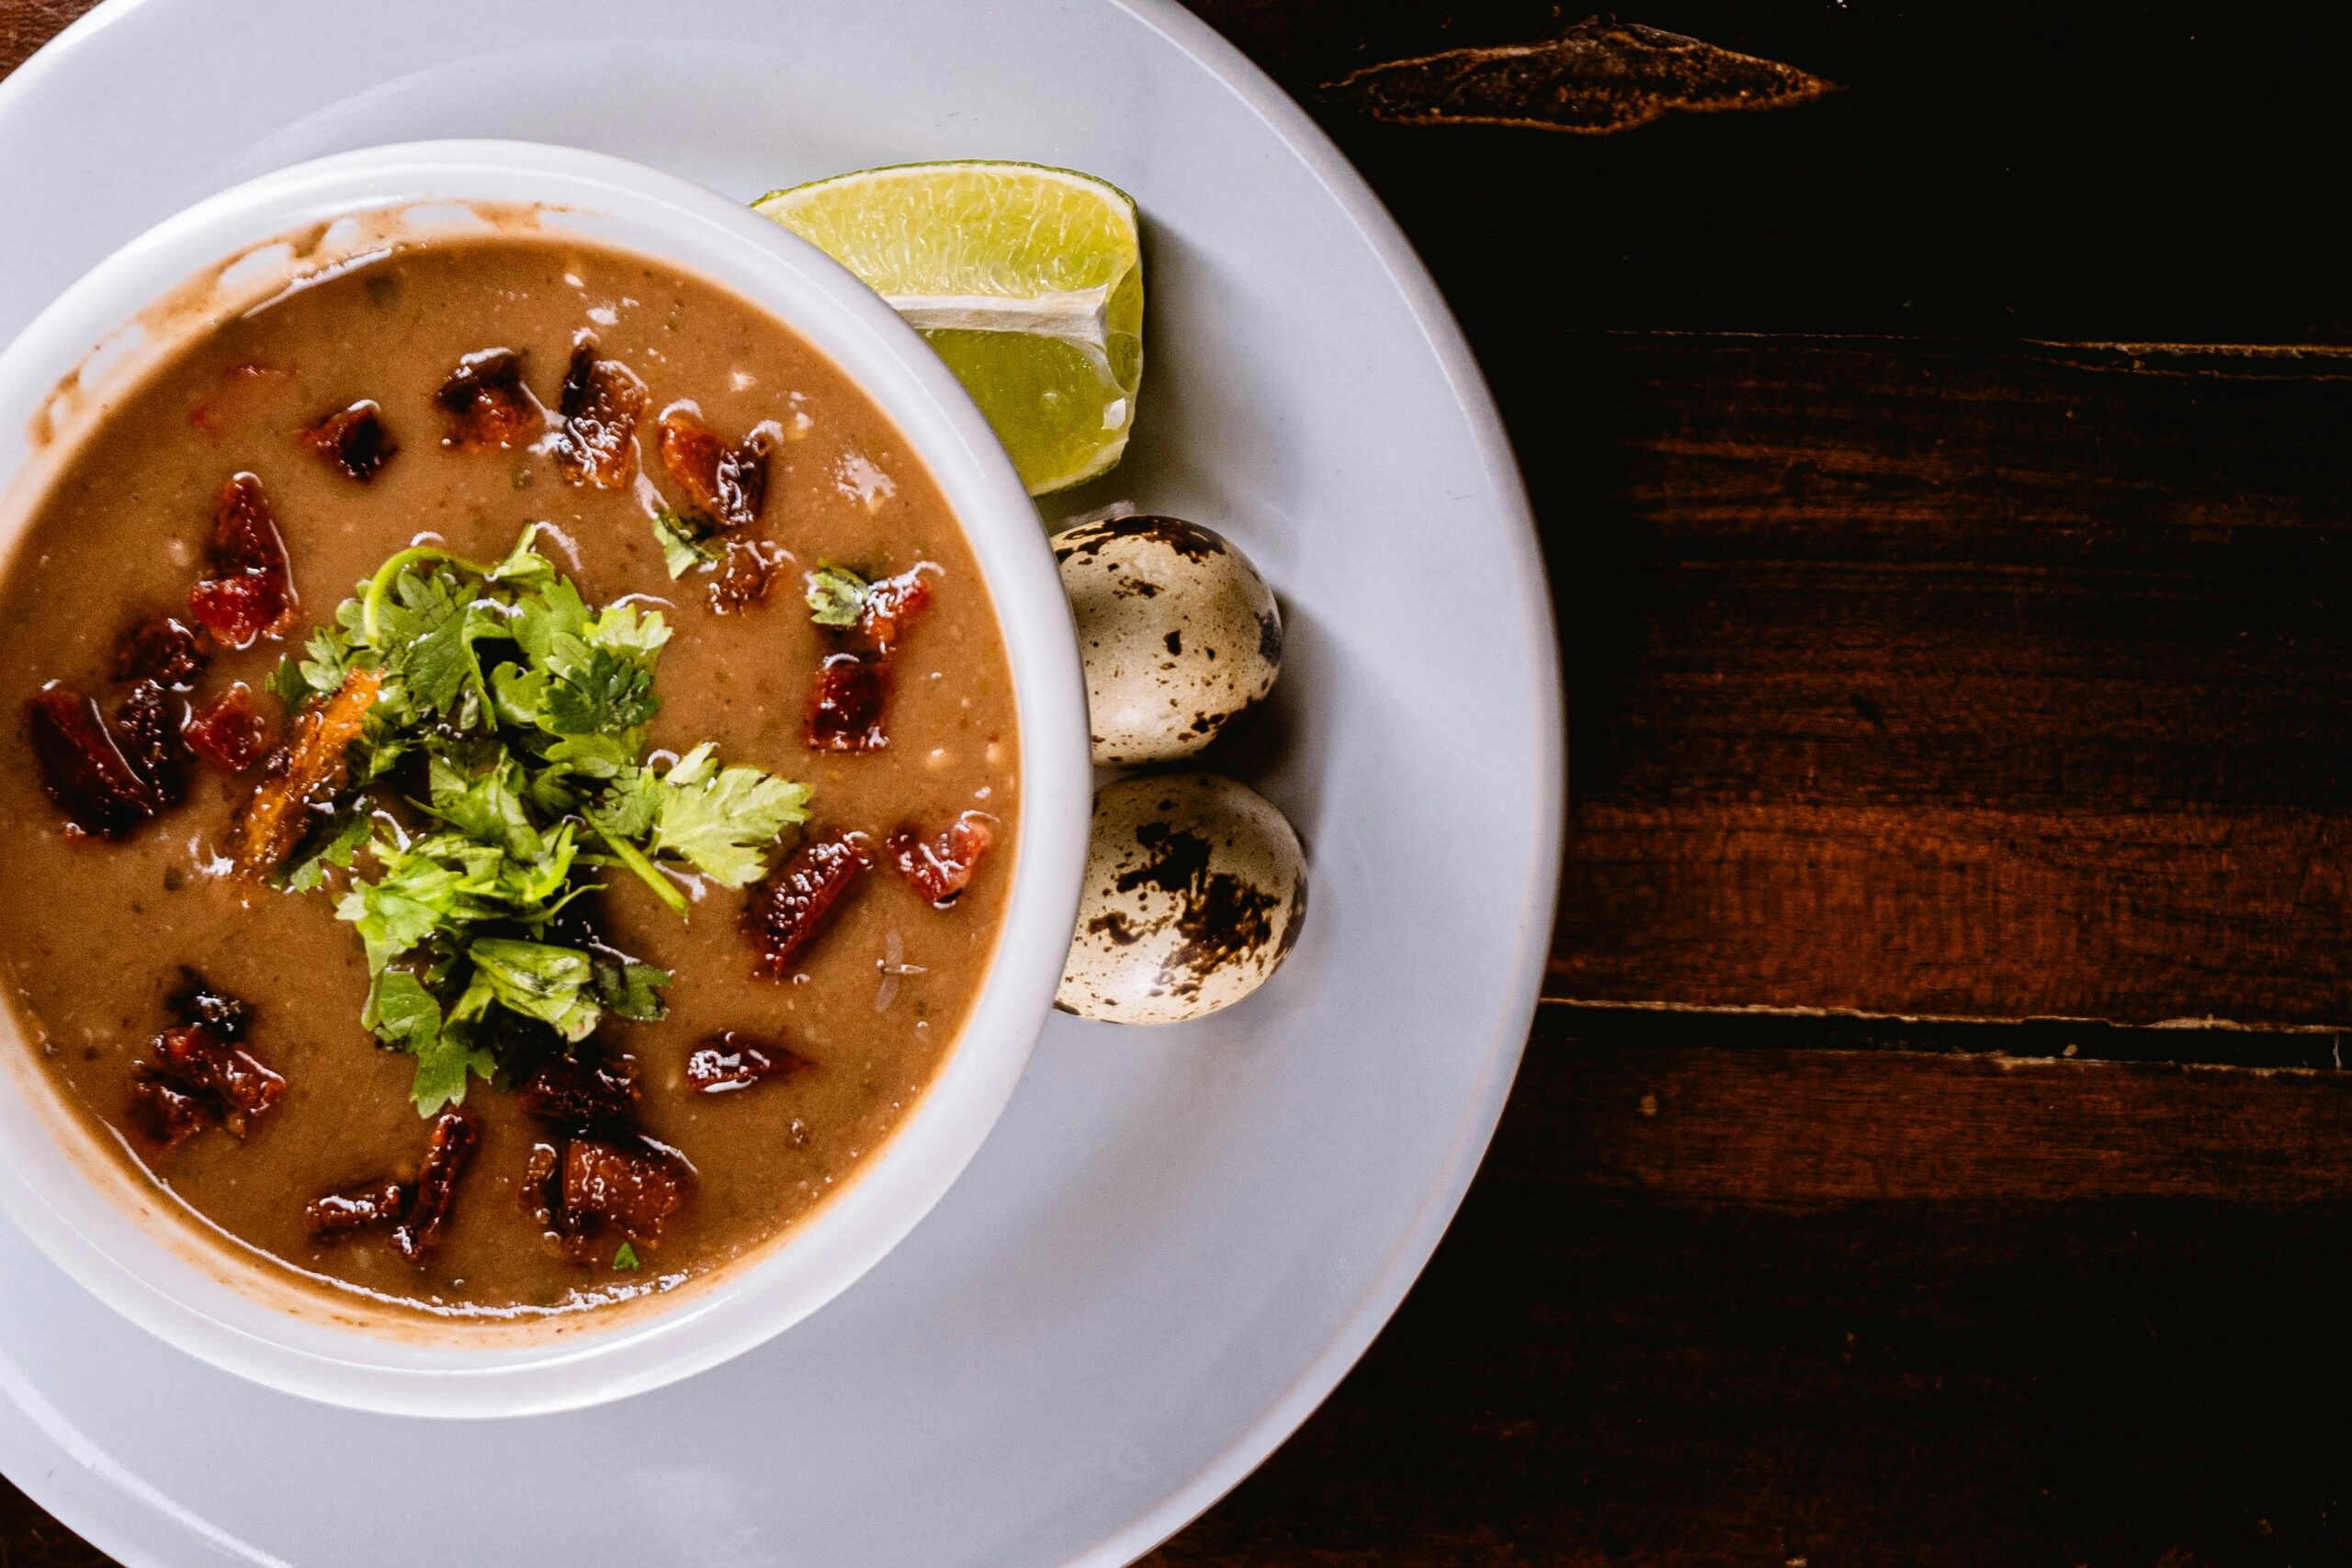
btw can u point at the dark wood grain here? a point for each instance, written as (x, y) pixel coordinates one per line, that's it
(1945, 494)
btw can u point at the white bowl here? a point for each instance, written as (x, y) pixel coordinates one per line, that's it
(135, 1249)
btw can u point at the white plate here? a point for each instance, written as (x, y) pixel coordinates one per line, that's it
(1176, 1241)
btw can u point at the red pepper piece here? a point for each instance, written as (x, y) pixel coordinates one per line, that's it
(352, 441)
(83, 768)
(580, 1093)
(240, 1087)
(726, 484)
(487, 404)
(602, 400)
(800, 899)
(445, 1152)
(941, 869)
(730, 1060)
(162, 648)
(251, 594)
(356, 1208)
(845, 708)
(229, 732)
(634, 1189)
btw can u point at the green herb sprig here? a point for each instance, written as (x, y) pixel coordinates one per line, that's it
(512, 724)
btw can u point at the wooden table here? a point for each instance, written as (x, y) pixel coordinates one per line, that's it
(1934, 1147)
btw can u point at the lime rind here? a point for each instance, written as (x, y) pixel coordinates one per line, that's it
(1026, 279)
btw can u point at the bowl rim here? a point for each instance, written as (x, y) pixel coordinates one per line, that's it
(145, 1265)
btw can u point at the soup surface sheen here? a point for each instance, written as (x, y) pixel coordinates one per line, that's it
(96, 932)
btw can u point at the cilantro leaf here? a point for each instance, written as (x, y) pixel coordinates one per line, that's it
(836, 595)
(539, 980)
(684, 545)
(631, 991)
(724, 820)
(627, 1259)
(607, 694)
(408, 1019)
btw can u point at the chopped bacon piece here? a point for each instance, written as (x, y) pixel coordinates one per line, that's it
(445, 1152)
(845, 708)
(743, 582)
(487, 403)
(788, 910)
(731, 1060)
(942, 868)
(167, 1113)
(230, 732)
(726, 484)
(239, 1085)
(356, 1208)
(892, 607)
(83, 769)
(304, 774)
(634, 1189)
(160, 649)
(602, 401)
(199, 1003)
(580, 1093)
(353, 440)
(148, 722)
(252, 594)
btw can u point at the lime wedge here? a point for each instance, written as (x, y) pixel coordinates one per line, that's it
(1027, 280)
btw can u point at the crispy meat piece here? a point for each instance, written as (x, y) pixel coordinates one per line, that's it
(356, 1208)
(229, 732)
(726, 484)
(581, 1094)
(845, 708)
(83, 768)
(892, 607)
(732, 1059)
(633, 1189)
(748, 574)
(250, 593)
(197, 1002)
(487, 403)
(942, 868)
(445, 1152)
(303, 774)
(602, 401)
(352, 441)
(161, 649)
(149, 723)
(166, 1112)
(800, 899)
(238, 1088)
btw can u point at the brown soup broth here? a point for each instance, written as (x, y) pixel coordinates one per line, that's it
(94, 934)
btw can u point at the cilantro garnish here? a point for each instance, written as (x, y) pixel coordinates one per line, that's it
(836, 595)
(627, 1259)
(685, 542)
(511, 727)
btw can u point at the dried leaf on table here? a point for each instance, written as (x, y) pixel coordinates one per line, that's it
(1599, 76)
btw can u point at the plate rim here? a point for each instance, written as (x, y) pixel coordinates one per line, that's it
(1257, 1441)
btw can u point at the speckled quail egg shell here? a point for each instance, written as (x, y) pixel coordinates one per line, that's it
(1195, 888)
(1178, 632)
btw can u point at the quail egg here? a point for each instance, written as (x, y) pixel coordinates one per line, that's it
(1195, 887)
(1178, 632)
